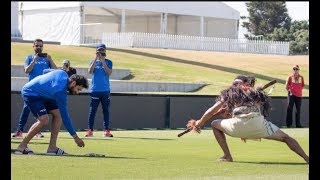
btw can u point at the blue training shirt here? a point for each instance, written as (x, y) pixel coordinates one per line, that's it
(41, 64)
(100, 80)
(52, 85)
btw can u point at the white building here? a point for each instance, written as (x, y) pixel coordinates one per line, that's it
(72, 22)
(15, 20)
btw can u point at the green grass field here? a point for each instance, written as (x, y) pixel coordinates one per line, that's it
(217, 69)
(160, 154)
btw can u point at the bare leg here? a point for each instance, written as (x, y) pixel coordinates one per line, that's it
(221, 139)
(56, 124)
(34, 129)
(292, 143)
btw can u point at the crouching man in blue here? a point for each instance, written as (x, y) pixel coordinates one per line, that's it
(47, 94)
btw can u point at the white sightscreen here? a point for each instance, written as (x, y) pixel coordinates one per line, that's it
(52, 25)
(14, 18)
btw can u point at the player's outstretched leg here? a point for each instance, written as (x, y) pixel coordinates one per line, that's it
(292, 143)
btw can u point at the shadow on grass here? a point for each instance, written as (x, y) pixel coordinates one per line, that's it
(222, 68)
(90, 138)
(161, 139)
(89, 155)
(96, 138)
(278, 163)
(31, 142)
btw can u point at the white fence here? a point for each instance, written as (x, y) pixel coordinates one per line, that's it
(168, 41)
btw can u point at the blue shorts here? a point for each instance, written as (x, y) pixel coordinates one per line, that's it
(39, 106)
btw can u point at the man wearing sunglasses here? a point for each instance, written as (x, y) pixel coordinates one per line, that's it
(100, 68)
(294, 86)
(33, 66)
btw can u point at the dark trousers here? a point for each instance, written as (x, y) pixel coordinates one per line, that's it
(95, 99)
(293, 100)
(23, 117)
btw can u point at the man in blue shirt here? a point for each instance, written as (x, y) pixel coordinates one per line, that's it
(33, 66)
(101, 69)
(47, 94)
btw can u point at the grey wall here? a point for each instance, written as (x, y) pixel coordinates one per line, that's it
(134, 111)
(118, 74)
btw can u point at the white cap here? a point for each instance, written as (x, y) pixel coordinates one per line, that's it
(66, 61)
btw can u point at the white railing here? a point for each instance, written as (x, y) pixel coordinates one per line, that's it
(169, 41)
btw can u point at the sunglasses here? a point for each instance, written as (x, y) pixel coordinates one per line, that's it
(38, 45)
(295, 69)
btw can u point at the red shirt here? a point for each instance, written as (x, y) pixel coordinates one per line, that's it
(295, 84)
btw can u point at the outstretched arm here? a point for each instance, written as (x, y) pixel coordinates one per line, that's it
(61, 99)
(209, 114)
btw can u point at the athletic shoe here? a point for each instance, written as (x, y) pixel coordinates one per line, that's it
(89, 133)
(39, 135)
(107, 133)
(17, 134)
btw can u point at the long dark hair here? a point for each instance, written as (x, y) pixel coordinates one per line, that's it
(242, 95)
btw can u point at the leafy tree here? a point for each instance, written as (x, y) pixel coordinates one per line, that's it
(279, 34)
(265, 16)
(271, 20)
(300, 44)
(297, 35)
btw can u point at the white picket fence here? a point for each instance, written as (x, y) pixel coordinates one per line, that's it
(169, 41)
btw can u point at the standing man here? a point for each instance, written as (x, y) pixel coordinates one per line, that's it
(101, 69)
(33, 66)
(66, 67)
(294, 86)
(47, 94)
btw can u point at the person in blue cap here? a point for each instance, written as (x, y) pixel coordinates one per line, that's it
(100, 68)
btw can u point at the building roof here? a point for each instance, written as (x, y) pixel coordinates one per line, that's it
(205, 8)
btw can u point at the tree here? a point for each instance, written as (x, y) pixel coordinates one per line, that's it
(297, 35)
(300, 44)
(271, 20)
(265, 16)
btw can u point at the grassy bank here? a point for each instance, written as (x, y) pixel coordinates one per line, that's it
(217, 69)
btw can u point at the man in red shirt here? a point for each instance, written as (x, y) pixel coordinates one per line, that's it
(294, 86)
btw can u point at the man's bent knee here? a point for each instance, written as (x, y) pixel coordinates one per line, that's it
(216, 124)
(44, 119)
(279, 136)
(55, 114)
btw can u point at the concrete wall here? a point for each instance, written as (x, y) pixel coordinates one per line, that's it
(17, 71)
(132, 111)
(127, 86)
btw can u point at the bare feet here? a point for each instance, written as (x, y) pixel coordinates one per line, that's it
(226, 159)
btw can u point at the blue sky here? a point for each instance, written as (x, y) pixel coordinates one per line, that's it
(298, 10)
